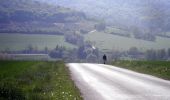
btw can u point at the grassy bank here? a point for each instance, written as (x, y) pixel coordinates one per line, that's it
(156, 68)
(23, 80)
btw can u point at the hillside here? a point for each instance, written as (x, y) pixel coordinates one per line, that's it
(121, 24)
(23, 16)
(108, 42)
(147, 15)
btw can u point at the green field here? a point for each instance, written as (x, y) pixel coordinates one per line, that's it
(156, 68)
(24, 80)
(22, 41)
(31, 57)
(106, 41)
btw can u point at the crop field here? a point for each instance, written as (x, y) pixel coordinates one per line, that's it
(36, 80)
(106, 41)
(156, 68)
(22, 41)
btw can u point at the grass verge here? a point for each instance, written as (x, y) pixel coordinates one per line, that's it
(31, 80)
(159, 69)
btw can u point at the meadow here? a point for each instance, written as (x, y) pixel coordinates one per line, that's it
(17, 41)
(156, 68)
(36, 80)
(106, 41)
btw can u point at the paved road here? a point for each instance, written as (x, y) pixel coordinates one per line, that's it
(104, 82)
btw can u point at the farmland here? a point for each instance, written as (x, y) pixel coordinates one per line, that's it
(106, 41)
(31, 80)
(22, 41)
(156, 68)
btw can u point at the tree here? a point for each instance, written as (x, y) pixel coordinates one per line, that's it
(4, 18)
(74, 38)
(116, 54)
(81, 52)
(133, 51)
(161, 54)
(46, 50)
(22, 16)
(100, 26)
(151, 54)
(137, 33)
(30, 48)
(57, 52)
(149, 37)
(168, 52)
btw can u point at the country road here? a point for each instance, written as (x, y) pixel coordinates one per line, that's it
(105, 82)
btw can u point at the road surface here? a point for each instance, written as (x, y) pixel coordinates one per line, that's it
(104, 82)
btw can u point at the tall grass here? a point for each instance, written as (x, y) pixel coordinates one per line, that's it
(23, 80)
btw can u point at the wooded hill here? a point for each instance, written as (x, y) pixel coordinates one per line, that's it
(28, 16)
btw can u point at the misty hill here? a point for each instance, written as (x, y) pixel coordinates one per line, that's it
(149, 15)
(120, 23)
(28, 16)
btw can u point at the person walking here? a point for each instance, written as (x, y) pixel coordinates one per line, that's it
(104, 58)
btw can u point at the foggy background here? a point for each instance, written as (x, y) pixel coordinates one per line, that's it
(78, 30)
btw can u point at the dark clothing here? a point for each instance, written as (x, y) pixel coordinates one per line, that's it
(104, 58)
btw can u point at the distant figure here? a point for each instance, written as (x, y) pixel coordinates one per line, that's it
(104, 58)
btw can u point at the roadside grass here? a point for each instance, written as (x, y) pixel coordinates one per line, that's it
(159, 69)
(36, 80)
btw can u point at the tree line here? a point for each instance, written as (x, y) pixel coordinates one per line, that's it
(90, 53)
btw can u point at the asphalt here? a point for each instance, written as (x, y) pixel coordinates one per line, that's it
(105, 82)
